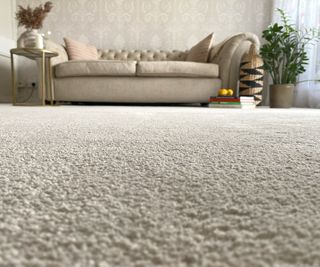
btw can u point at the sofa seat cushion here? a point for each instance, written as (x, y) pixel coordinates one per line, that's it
(177, 69)
(95, 68)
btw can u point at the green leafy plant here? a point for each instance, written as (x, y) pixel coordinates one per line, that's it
(285, 51)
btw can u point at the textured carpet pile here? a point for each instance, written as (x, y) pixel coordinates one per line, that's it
(113, 186)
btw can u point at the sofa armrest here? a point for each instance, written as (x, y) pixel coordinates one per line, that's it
(228, 55)
(62, 57)
(54, 47)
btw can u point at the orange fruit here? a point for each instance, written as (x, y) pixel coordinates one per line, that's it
(230, 92)
(223, 92)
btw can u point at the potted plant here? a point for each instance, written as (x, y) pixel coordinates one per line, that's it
(32, 20)
(285, 57)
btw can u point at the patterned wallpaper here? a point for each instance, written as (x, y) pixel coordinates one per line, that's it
(152, 24)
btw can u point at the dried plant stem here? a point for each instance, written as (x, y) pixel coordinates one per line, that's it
(33, 18)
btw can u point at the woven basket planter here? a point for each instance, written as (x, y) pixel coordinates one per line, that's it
(251, 75)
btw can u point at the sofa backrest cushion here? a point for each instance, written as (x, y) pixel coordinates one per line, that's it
(143, 55)
(80, 51)
(200, 52)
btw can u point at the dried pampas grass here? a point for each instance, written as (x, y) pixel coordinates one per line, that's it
(33, 18)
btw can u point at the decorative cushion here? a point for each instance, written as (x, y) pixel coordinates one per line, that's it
(251, 75)
(200, 52)
(80, 51)
(95, 68)
(177, 69)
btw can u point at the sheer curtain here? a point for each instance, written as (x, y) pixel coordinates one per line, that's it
(305, 14)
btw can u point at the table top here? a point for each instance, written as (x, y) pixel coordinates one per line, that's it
(33, 53)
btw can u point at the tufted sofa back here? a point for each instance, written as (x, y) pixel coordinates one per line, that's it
(143, 55)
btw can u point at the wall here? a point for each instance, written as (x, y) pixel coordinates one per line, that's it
(153, 24)
(7, 41)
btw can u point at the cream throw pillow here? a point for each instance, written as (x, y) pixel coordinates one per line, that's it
(200, 52)
(80, 51)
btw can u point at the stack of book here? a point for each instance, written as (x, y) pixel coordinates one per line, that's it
(245, 102)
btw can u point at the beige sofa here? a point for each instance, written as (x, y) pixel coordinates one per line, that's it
(149, 76)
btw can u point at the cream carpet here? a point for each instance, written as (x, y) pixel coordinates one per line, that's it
(117, 186)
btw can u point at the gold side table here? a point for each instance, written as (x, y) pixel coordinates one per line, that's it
(45, 71)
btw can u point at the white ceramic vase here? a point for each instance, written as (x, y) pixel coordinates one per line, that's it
(30, 39)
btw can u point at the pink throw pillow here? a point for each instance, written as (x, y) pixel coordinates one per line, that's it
(80, 51)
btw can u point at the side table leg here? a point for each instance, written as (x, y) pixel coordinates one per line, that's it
(13, 81)
(43, 78)
(51, 85)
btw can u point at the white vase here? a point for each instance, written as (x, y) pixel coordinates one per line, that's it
(30, 39)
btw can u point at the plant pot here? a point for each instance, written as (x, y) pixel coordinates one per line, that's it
(281, 95)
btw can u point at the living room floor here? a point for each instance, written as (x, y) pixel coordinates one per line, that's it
(159, 186)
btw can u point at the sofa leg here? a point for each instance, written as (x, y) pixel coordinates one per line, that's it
(204, 104)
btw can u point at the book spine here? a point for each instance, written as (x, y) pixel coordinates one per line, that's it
(219, 99)
(226, 103)
(224, 106)
(247, 98)
(233, 103)
(232, 106)
(224, 100)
